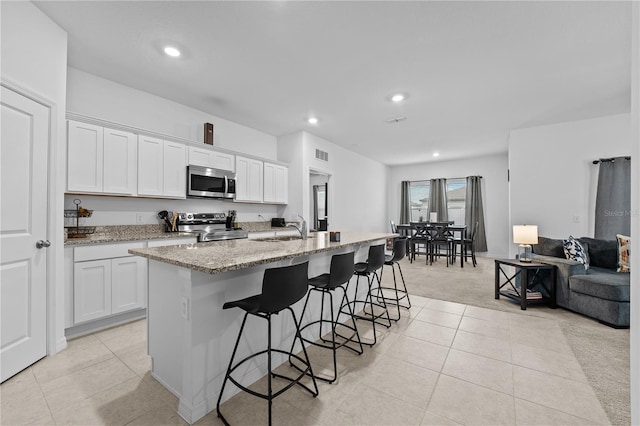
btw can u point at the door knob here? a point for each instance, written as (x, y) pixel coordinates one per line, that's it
(42, 244)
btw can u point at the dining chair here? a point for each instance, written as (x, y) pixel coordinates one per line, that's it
(441, 238)
(467, 245)
(419, 238)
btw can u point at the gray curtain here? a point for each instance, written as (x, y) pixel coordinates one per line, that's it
(613, 198)
(438, 199)
(474, 213)
(405, 203)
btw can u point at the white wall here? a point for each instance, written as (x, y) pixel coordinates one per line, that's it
(553, 180)
(97, 97)
(635, 216)
(357, 185)
(492, 168)
(34, 57)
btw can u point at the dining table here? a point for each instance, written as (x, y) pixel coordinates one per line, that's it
(449, 229)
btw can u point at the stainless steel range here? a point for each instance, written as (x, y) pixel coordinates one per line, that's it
(209, 226)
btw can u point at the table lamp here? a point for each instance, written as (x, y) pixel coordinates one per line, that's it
(525, 235)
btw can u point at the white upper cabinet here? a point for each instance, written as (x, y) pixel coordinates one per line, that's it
(100, 160)
(276, 182)
(209, 158)
(249, 179)
(224, 161)
(161, 168)
(120, 162)
(85, 156)
(150, 165)
(175, 170)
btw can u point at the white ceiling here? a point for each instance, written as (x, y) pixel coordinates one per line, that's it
(472, 70)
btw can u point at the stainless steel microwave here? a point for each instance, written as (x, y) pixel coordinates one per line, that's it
(204, 182)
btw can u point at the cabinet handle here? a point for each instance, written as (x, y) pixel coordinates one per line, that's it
(42, 244)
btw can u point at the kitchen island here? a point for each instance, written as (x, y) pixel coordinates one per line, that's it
(190, 336)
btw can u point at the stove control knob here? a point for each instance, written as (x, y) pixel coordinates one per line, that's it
(189, 216)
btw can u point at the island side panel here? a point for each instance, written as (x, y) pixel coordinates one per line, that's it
(191, 352)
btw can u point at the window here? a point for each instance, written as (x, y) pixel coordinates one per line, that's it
(419, 196)
(456, 195)
(419, 192)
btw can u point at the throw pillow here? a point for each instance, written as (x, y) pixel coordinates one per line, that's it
(573, 250)
(624, 250)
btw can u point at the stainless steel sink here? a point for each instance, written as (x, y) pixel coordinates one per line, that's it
(279, 239)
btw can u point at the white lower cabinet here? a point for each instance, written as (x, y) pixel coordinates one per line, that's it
(104, 280)
(107, 281)
(92, 290)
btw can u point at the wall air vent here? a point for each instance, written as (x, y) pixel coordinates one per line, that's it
(322, 155)
(396, 119)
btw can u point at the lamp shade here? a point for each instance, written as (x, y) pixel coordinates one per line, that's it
(525, 234)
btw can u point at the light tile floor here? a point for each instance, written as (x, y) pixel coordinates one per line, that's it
(443, 363)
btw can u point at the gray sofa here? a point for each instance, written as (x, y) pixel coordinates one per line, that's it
(599, 292)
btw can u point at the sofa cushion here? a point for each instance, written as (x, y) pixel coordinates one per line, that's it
(549, 247)
(624, 252)
(573, 250)
(602, 253)
(602, 285)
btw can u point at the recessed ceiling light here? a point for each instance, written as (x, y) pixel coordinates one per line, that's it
(397, 97)
(172, 51)
(312, 120)
(436, 154)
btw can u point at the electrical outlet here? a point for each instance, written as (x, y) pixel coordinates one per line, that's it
(576, 219)
(185, 308)
(139, 218)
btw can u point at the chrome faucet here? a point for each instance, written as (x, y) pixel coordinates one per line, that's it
(302, 228)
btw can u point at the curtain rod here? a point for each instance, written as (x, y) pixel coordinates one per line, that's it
(607, 160)
(426, 180)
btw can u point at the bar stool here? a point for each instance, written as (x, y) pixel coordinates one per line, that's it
(369, 269)
(393, 260)
(281, 288)
(340, 272)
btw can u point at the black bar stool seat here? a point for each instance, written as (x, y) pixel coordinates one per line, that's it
(399, 294)
(340, 272)
(281, 288)
(369, 269)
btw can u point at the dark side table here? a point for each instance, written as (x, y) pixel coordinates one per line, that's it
(529, 275)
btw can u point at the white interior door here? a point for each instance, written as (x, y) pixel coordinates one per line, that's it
(23, 222)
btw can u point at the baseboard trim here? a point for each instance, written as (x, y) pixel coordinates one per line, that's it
(104, 323)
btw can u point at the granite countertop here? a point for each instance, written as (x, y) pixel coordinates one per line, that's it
(222, 256)
(120, 233)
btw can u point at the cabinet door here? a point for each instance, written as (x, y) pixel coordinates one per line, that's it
(242, 178)
(224, 161)
(201, 157)
(175, 170)
(249, 179)
(281, 184)
(119, 162)
(128, 282)
(84, 157)
(91, 290)
(269, 194)
(255, 180)
(150, 164)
